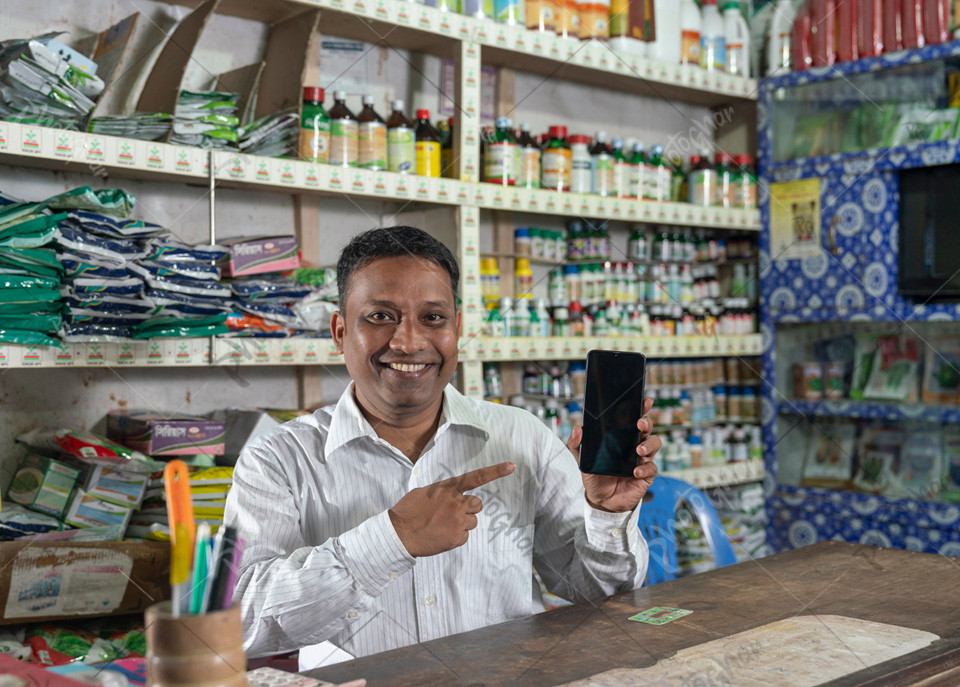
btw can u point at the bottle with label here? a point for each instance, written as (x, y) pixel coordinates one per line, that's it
(662, 175)
(594, 19)
(373, 137)
(638, 170)
(556, 160)
(543, 318)
(581, 174)
(568, 19)
(690, 25)
(737, 36)
(314, 126)
(427, 146)
(601, 158)
(678, 182)
(523, 279)
(638, 246)
(628, 27)
(745, 194)
(478, 8)
(713, 42)
(622, 170)
(446, 153)
(401, 141)
(778, 40)
(509, 12)
(521, 320)
(702, 180)
(541, 15)
(529, 159)
(344, 133)
(725, 181)
(500, 163)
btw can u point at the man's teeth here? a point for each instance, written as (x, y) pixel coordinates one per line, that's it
(404, 367)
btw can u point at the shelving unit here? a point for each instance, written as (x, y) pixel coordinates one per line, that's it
(921, 412)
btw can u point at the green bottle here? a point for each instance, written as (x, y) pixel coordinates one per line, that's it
(314, 127)
(637, 163)
(677, 181)
(663, 175)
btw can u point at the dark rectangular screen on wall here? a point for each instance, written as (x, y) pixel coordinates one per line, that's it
(929, 256)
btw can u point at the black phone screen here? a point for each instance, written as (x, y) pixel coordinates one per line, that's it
(612, 405)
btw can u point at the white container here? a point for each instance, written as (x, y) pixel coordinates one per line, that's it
(738, 40)
(713, 42)
(779, 51)
(690, 27)
(666, 45)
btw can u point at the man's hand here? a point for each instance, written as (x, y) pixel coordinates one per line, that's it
(438, 517)
(621, 494)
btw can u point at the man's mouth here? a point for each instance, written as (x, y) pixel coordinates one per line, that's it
(406, 367)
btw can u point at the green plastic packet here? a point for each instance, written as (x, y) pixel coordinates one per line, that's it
(35, 232)
(17, 211)
(179, 327)
(35, 322)
(31, 295)
(24, 281)
(40, 261)
(109, 201)
(7, 309)
(25, 336)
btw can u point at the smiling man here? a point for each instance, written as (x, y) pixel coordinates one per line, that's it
(406, 511)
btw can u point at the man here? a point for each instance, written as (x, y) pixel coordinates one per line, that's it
(407, 511)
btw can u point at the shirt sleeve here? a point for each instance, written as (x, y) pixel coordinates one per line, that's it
(291, 593)
(582, 553)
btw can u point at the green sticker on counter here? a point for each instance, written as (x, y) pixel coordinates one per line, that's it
(659, 615)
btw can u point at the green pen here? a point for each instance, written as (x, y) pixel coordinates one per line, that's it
(200, 568)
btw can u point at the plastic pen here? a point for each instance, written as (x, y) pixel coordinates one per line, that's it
(201, 568)
(231, 580)
(176, 485)
(223, 552)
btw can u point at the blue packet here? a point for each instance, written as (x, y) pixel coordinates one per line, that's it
(113, 227)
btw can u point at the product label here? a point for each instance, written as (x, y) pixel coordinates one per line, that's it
(593, 20)
(500, 163)
(713, 53)
(581, 175)
(658, 180)
(401, 153)
(622, 172)
(745, 193)
(635, 188)
(603, 177)
(508, 11)
(343, 142)
(428, 158)
(702, 186)
(315, 142)
(725, 194)
(690, 47)
(541, 15)
(529, 168)
(556, 166)
(568, 18)
(373, 145)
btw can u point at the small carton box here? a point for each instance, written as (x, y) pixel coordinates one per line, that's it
(259, 254)
(89, 511)
(43, 484)
(155, 435)
(107, 483)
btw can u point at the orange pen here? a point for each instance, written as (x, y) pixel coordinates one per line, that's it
(183, 532)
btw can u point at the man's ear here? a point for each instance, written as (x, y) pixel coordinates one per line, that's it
(337, 324)
(459, 323)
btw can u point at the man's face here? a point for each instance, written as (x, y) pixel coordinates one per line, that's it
(398, 333)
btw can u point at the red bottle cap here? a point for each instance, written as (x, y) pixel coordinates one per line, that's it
(695, 160)
(450, 122)
(313, 93)
(723, 158)
(557, 132)
(423, 114)
(579, 138)
(743, 159)
(575, 307)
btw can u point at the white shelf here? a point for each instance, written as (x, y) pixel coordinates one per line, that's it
(26, 144)
(721, 475)
(301, 351)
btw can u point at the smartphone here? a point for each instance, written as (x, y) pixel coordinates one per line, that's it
(612, 405)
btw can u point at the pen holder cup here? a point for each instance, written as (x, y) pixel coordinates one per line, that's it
(189, 650)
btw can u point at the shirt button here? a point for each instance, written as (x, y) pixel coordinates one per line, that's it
(616, 532)
(430, 600)
(352, 615)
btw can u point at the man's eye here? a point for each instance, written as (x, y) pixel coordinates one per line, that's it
(379, 316)
(435, 318)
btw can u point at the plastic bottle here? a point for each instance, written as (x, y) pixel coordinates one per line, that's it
(601, 159)
(502, 154)
(344, 133)
(372, 137)
(427, 147)
(478, 8)
(543, 317)
(529, 159)
(522, 317)
(509, 12)
(495, 323)
(508, 314)
(568, 19)
(664, 42)
(702, 180)
(581, 174)
(594, 19)
(678, 181)
(523, 278)
(447, 166)
(627, 27)
(638, 245)
(745, 194)
(541, 15)
(737, 35)
(637, 171)
(661, 175)
(726, 190)
(713, 41)
(690, 27)
(556, 160)
(401, 141)
(561, 323)
(314, 126)
(572, 278)
(622, 170)
(779, 56)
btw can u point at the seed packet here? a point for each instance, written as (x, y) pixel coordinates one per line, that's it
(895, 372)
(829, 459)
(921, 464)
(941, 376)
(878, 458)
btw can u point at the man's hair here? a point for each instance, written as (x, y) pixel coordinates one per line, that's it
(389, 242)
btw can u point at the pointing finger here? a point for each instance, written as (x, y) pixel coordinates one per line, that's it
(473, 504)
(477, 478)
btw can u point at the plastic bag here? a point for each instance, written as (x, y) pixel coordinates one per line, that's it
(25, 336)
(111, 201)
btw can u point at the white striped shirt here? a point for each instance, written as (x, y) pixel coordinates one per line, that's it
(323, 561)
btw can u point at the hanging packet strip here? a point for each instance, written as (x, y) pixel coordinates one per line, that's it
(166, 249)
(34, 322)
(28, 337)
(117, 228)
(82, 333)
(175, 269)
(111, 201)
(77, 264)
(121, 287)
(115, 250)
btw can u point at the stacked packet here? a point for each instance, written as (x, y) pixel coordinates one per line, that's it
(264, 306)
(208, 491)
(30, 303)
(144, 126)
(276, 135)
(39, 86)
(207, 119)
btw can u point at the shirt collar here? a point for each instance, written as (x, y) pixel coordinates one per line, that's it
(347, 422)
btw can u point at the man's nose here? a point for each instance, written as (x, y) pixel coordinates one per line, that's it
(408, 336)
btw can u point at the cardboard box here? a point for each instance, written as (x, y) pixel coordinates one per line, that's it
(43, 484)
(243, 425)
(156, 435)
(57, 580)
(106, 483)
(260, 254)
(88, 511)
